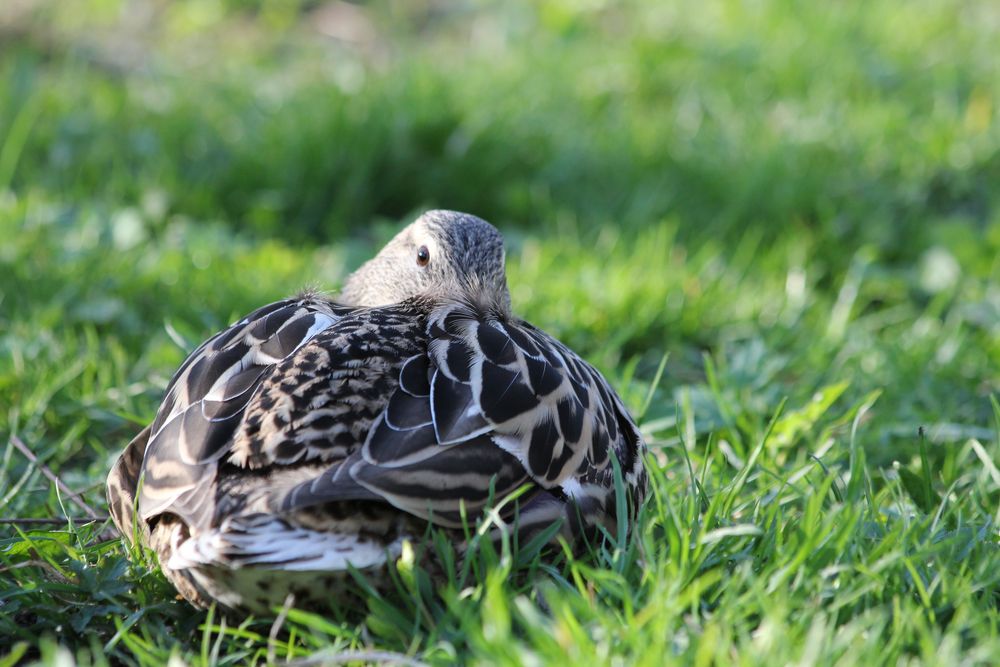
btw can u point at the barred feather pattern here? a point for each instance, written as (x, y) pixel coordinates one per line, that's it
(310, 437)
(206, 402)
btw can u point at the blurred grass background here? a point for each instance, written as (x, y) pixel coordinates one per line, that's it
(860, 122)
(792, 200)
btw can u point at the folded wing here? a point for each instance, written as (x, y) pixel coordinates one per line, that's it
(436, 411)
(487, 405)
(206, 399)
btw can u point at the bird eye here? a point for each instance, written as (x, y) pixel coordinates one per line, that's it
(423, 256)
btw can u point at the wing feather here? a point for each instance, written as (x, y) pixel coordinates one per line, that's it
(206, 400)
(553, 411)
(508, 405)
(455, 409)
(320, 403)
(468, 474)
(434, 411)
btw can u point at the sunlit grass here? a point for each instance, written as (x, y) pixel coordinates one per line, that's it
(807, 236)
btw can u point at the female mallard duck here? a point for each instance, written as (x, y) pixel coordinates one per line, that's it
(315, 435)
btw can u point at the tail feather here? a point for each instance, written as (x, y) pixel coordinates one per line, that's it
(268, 542)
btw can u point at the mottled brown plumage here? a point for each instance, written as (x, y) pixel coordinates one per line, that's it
(316, 435)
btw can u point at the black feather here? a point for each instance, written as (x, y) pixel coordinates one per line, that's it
(235, 396)
(289, 337)
(570, 418)
(543, 377)
(207, 370)
(413, 376)
(543, 439)
(495, 345)
(504, 394)
(334, 485)
(523, 340)
(202, 440)
(265, 327)
(453, 474)
(387, 446)
(550, 354)
(557, 463)
(459, 359)
(407, 412)
(455, 413)
(599, 447)
(611, 424)
(582, 392)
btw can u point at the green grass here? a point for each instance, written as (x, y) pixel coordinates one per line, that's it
(796, 204)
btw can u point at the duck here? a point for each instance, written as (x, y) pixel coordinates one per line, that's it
(318, 436)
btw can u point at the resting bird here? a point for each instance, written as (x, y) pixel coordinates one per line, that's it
(316, 435)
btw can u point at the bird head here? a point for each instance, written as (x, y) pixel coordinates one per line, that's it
(442, 256)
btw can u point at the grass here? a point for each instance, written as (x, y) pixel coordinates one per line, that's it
(795, 205)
